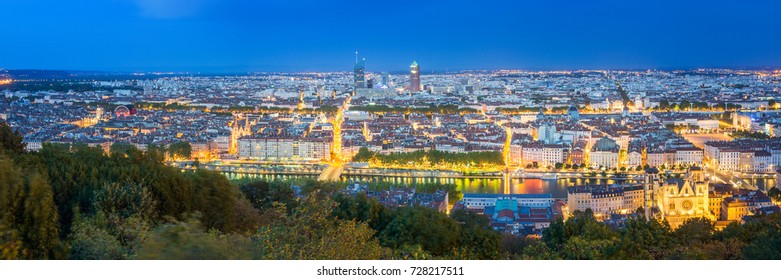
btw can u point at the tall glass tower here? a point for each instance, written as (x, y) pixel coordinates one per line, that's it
(359, 72)
(414, 77)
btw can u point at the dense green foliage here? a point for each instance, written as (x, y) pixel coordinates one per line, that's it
(775, 194)
(583, 237)
(431, 158)
(696, 105)
(10, 140)
(180, 149)
(27, 213)
(750, 135)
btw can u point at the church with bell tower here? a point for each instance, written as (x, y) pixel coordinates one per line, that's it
(674, 200)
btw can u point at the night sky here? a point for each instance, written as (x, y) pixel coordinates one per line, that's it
(245, 35)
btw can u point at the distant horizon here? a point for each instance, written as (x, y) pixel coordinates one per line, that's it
(423, 70)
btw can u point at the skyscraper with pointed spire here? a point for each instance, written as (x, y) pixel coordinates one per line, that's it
(359, 72)
(414, 77)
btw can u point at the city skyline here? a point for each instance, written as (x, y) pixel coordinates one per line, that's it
(239, 36)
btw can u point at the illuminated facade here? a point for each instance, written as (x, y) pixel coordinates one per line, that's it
(359, 75)
(604, 153)
(674, 201)
(605, 200)
(414, 77)
(280, 148)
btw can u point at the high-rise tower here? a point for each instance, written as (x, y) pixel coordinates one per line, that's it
(359, 72)
(414, 77)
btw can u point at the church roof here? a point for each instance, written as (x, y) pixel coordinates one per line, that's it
(605, 144)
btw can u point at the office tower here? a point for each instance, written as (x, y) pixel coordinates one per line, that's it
(385, 79)
(414, 77)
(359, 72)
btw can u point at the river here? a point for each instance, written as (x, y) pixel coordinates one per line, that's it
(556, 187)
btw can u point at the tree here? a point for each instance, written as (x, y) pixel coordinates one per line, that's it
(664, 104)
(27, 208)
(90, 241)
(361, 208)
(762, 237)
(691, 236)
(477, 240)
(216, 199)
(180, 150)
(41, 230)
(10, 139)
(124, 200)
(580, 237)
(188, 241)
(363, 155)
(775, 194)
(685, 105)
(311, 232)
(263, 194)
(641, 239)
(155, 152)
(433, 231)
(10, 243)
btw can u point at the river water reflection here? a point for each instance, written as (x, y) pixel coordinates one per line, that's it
(556, 187)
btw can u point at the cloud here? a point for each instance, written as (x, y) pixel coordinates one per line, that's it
(171, 9)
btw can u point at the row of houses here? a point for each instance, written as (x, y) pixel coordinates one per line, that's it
(744, 155)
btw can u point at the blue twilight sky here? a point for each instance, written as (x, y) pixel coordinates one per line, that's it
(246, 35)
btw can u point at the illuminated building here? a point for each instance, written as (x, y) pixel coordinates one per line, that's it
(482, 200)
(734, 209)
(604, 153)
(605, 200)
(359, 74)
(677, 201)
(282, 148)
(414, 77)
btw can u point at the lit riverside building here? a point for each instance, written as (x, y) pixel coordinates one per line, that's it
(414, 77)
(360, 76)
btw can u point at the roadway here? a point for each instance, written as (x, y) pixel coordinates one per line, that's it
(724, 177)
(331, 173)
